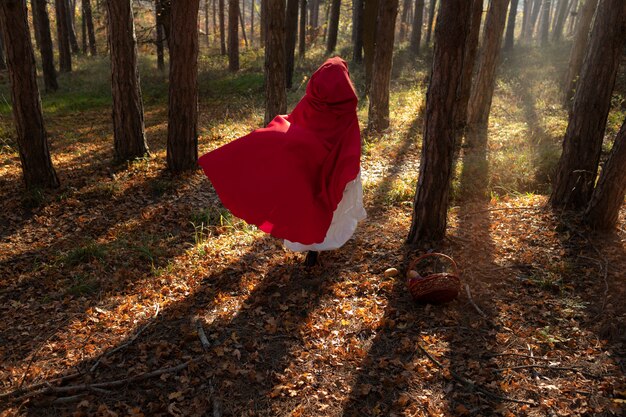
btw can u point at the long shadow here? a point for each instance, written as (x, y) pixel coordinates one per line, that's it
(399, 157)
(545, 147)
(475, 255)
(250, 349)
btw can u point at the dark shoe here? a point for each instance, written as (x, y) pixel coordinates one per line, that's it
(311, 258)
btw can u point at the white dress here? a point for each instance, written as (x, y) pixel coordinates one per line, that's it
(348, 213)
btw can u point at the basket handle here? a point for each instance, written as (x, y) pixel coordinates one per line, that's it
(436, 254)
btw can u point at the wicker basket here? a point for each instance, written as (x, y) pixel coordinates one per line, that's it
(436, 287)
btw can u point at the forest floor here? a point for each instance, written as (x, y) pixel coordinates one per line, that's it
(110, 285)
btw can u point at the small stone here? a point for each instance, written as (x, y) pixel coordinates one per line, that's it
(391, 272)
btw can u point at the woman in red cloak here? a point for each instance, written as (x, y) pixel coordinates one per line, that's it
(299, 178)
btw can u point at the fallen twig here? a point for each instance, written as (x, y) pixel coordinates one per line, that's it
(494, 355)
(109, 384)
(202, 335)
(471, 384)
(66, 400)
(557, 368)
(39, 385)
(123, 346)
(500, 209)
(469, 296)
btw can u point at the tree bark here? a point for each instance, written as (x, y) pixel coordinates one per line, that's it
(158, 9)
(416, 32)
(275, 83)
(357, 22)
(333, 26)
(128, 124)
(431, 18)
(469, 61)
(291, 32)
(571, 18)
(509, 39)
(545, 22)
(206, 22)
(63, 37)
(430, 208)
(263, 22)
(562, 10)
(482, 93)
(370, 25)
(252, 12)
(243, 26)
(182, 136)
(582, 145)
(302, 32)
(32, 141)
(87, 16)
(222, 28)
(577, 53)
(45, 46)
(378, 113)
(70, 19)
(233, 35)
(3, 63)
(534, 16)
(406, 7)
(36, 28)
(608, 196)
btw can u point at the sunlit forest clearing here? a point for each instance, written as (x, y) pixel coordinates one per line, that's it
(126, 269)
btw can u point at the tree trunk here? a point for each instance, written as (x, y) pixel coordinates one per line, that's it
(406, 6)
(128, 125)
(357, 22)
(32, 139)
(430, 208)
(206, 22)
(83, 26)
(222, 28)
(608, 196)
(582, 145)
(431, 18)
(215, 29)
(562, 10)
(302, 32)
(243, 26)
(545, 22)
(36, 28)
(315, 13)
(233, 35)
(525, 17)
(70, 19)
(469, 61)
(45, 46)
(482, 93)
(416, 32)
(87, 16)
(577, 53)
(534, 16)
(291, 32)
(571, 19)
(275, 90)
(509, 39)
(333, 25)
(182, 136)
(378, 113)
(63, 37)
(370, 25)
(3, 63)
(252, 22)
(158, 8)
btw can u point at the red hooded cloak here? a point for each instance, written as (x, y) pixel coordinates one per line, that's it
(289, 177)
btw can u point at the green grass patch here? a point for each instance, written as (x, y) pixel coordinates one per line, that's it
(83, 254)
